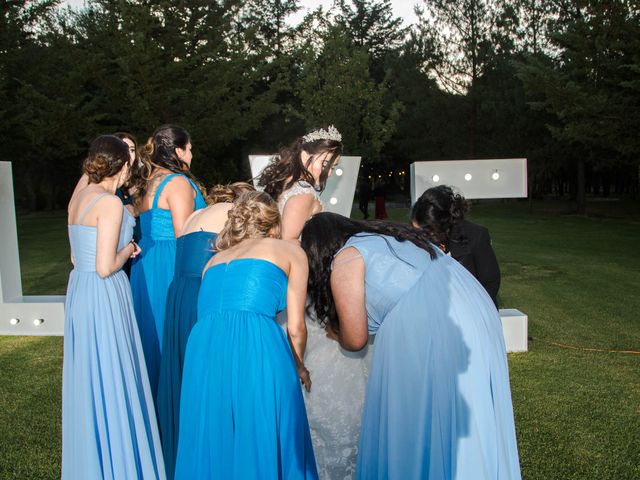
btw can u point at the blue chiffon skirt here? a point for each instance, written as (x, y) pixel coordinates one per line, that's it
(193, 252)
(109, 424)
(242, 415)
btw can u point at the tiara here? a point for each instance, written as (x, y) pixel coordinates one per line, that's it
(331, 133)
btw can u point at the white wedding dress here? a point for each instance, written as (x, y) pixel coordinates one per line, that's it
(339, 378)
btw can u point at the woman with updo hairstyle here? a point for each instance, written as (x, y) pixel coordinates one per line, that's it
(241, 413)
(438, 403)
(109, 427)
(122, 192)
(440, 212)
(166, 194)
(195, 247)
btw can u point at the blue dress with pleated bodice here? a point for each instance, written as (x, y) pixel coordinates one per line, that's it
(192, 253)
(109, 427)
(242, 414)
(151, 273)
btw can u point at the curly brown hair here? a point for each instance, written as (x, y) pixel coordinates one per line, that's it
(438, 211)
(253, 215)
(287, 168)
(107, 155)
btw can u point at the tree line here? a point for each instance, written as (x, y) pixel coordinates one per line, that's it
(556, 81)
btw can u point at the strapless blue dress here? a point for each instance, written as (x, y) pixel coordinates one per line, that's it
(109, 427)
(242, 414)
(193, 251)
(151, 273)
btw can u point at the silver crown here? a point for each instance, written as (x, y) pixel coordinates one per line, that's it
(331, 133)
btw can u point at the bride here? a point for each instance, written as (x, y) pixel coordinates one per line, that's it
(295, 179)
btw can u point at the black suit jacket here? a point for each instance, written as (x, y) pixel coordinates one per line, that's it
(477, 255)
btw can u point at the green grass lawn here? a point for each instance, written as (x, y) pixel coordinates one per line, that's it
(578, 278)
(44, 253)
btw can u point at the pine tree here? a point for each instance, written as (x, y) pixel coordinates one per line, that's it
(591, 86)
(336, 88)
(459, 33)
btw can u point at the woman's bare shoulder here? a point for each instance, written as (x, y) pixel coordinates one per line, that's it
(178, 184)
(290, 248)
(211, 218)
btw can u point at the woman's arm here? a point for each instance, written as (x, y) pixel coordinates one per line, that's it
(296, 299)
(108, 260)
(180, 198)
(297, 210)
(347, 288)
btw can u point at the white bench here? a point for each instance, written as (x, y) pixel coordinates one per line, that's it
(515, 329)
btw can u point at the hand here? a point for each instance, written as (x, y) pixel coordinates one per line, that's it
(305, 377)
(136, 250)
(331, 333)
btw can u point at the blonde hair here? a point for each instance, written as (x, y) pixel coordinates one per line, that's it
(253, 215)
(227, 193)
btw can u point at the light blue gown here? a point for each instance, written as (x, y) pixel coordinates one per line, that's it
(242, 415)
(151, 273)
(438, 403)
(193, 252)
(109, 427)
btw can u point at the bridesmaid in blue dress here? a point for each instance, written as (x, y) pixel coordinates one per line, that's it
(165, 195)
(194, 249)
(438, 402)
(242, 414)
(123, 192)
(109, 425)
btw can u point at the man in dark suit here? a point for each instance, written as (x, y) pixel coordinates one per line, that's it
(440, 212)
(475, 253)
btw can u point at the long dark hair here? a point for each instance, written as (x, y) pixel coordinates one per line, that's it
(326, 233)
(287, 168)
(160, 152)
(134, 166)
(129, 136)
(438, 211)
